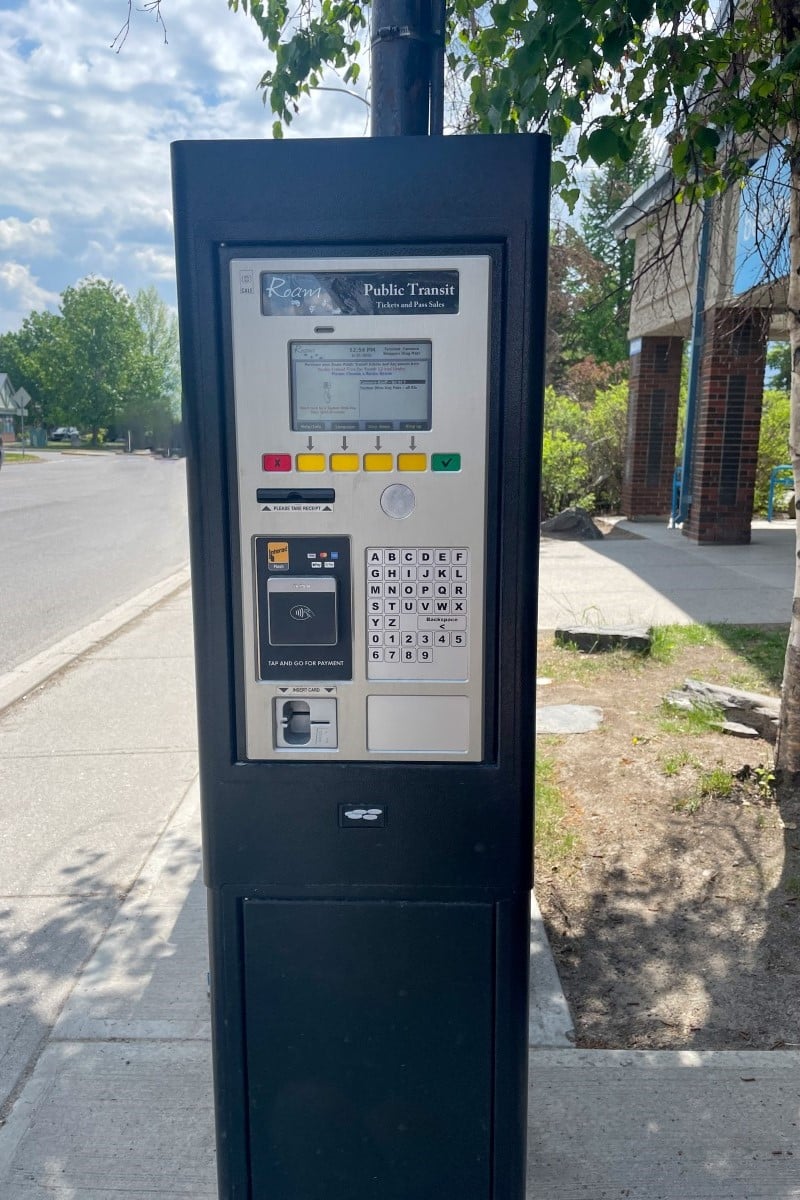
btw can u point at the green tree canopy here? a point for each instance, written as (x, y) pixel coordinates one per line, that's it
(102, 369)
(30, 358)
(101, 362)
(574, 280)
(597, 75)
(160, 328)
(602, 319)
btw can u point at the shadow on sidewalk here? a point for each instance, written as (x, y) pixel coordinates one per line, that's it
(119, 1097)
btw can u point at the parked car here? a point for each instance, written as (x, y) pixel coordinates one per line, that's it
(64, 433)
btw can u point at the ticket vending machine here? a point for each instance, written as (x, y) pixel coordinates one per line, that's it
(362, 328)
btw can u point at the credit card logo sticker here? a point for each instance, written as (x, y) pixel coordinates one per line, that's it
(301, 612)
(278, 556)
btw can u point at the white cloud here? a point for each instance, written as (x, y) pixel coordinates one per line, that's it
(22, 287)
(155, 262)
(17, 233)
(85, 132)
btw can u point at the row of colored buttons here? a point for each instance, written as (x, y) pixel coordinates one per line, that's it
(352, 462)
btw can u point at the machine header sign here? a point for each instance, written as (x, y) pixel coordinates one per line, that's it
(358, 293)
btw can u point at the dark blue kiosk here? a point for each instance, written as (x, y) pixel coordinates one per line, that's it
(362, 333)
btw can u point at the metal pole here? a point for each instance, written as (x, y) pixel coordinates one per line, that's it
(438, 27)
(401, 67)
(698, 331)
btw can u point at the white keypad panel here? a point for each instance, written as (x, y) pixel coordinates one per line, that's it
(417, 612)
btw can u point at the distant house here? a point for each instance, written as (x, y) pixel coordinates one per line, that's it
(8, 409)
(13, 403)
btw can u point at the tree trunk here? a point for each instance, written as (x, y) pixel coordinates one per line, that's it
(787, 748)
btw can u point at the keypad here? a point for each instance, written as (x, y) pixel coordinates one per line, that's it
(417, 612)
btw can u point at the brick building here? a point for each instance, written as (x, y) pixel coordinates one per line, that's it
(740, 315)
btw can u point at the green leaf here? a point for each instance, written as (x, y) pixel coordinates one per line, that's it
(558, 172)
(604, 144)
(640, 10)
(707, 141)
(680, 158)
(277, 130)
(614, 45)
(573, 110)
(495, 118)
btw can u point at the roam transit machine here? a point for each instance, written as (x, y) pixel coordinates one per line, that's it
(362, 331)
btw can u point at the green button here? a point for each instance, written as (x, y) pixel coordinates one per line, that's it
(445, 462)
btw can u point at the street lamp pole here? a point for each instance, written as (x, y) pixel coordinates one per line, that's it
(407, 67)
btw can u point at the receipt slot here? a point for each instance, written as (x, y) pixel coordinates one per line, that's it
(362, 330)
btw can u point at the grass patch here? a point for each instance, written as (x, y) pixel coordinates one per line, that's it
(668, 640)
(554, 842)
(760, 650)
(15, 458)
(688, 804)
(673, 764)
(700, 718)
(764, 651)
(716, 784)
(792, 887)
(568, 661)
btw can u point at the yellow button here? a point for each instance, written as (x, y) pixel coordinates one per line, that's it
(412, 462)
(378, 462)
(344, 462)
(311, 462)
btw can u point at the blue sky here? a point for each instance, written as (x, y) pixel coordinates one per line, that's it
(85, 134)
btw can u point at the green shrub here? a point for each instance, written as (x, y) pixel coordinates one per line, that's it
(773, 445)
(607, 422)
(565, 472)
(584, 449)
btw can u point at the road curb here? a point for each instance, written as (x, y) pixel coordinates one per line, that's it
(17, 684)
(550, 1025)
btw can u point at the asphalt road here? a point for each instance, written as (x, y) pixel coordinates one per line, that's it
(80, 534)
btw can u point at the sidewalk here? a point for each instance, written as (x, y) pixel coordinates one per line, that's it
(112, 1093)
(656, 576)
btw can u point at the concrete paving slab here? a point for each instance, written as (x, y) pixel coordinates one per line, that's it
(83, 823)
(660, 577)
(44, 943)
(664, 1125)
(30, 675)
(102, 1120)
(147, 979)
(75, 711)
(88, 798)
(174, 635)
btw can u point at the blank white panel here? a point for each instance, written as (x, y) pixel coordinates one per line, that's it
(418, 724)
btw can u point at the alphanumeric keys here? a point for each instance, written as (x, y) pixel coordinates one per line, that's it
(417, 605)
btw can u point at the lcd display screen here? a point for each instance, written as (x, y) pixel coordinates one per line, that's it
(342, 386)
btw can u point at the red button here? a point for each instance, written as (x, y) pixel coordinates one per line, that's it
(276, 462)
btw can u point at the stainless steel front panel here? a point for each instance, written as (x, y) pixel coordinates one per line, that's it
(433, 509)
